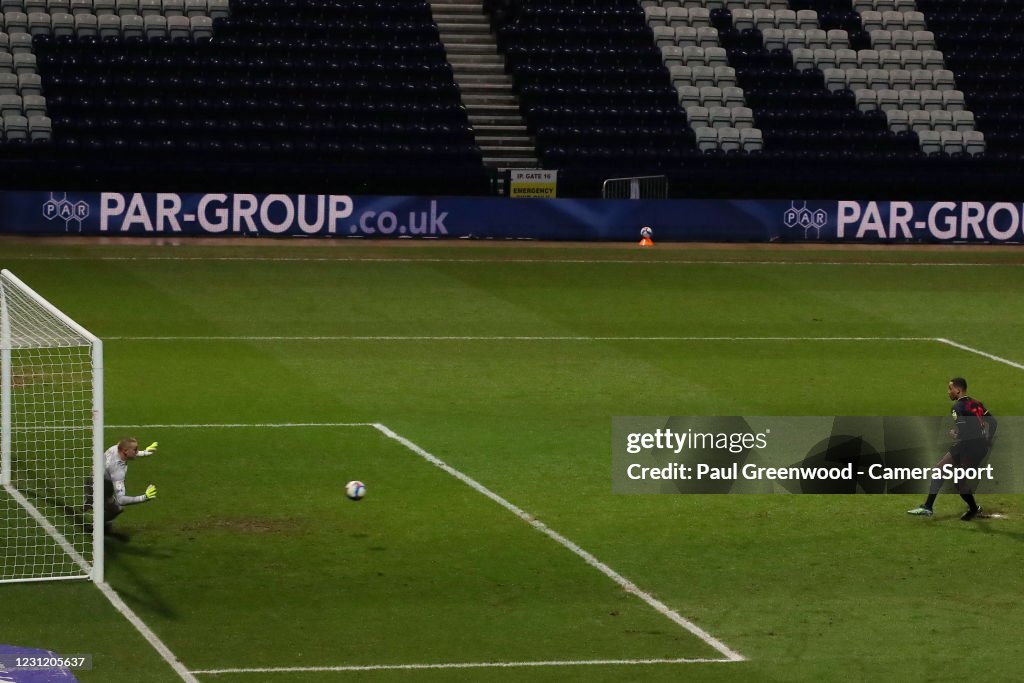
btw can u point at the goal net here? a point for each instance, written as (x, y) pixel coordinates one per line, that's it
(51, 431)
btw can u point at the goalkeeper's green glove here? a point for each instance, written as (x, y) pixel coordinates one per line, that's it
(150, 492)
(151, 448)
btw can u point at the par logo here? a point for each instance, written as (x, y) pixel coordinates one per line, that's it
(803, 217)
(64, 209)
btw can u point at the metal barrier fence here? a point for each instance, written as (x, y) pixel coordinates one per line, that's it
(642, 187)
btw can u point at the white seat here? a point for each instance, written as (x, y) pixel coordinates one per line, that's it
(890, 59)
(680, 75)
(922, 40)
(835, 79)
(904, 40)
(86, 25)
(39, 24)
(715, 56)
(707, 138)
(919, 120)
(720, 117)
(911, 59)
(655, 16)
(878, 79)
(728, 139)
(725, 76)
(974, 142)
(132, 26)
(910, 100)
(110, 26)
(871, 20)
(732, 96)
(881, 39)
(837, 38)
(868, 59)
(774, 38)
(173, 8)
(219, 9)
(104, 7)
(10, 105)
(700, 16)
(933, 59)
(803, 59)
(888, 100)
(710, 96)
(824, 59)
(752, 140)
(931, 100)
(155, 26)
(671, 55)
(806, 19)
(698, 117)
(24, 63)
(179, 29)
(742, 117)
(963, 121)
(63, 24)
(689, 96)
(15, 128)
(40, 128)
(900, 79)
(664, 35)
(20, 42)
(677, 16)
(892, 20)
(953, 100)
(707, 37)
(815, 38)
(685, 36)
(941, 120)
(952, 142)
(866, 99)
(81, 7)
(127, 7)
(898, 120)
(33, 105)
(148, 8)
(846, 58)
(794, 38)
(764, 19)
(943, 79)
(785, 18)
(693, 56)
(30, 84)
(856, 79)
(742, 19)
(921, 79)
(16, 22)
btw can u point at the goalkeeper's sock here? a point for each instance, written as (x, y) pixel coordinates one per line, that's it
(969, 499)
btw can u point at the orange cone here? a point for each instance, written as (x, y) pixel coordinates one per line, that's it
(646, 242)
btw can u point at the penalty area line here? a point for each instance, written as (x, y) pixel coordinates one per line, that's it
(627, 585)
(979, 352)
(460, 665)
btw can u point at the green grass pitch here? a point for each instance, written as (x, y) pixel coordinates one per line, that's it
(508, 364)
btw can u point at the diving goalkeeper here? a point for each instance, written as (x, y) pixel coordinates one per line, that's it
(115, 470)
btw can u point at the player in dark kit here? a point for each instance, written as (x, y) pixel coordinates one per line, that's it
(972, 434)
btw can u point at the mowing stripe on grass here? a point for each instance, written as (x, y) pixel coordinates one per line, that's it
(461, 665)
(508, 338)
(971, 349)
(642, 262)
(623, 582)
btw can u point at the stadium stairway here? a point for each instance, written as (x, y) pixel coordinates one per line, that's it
(487, 91)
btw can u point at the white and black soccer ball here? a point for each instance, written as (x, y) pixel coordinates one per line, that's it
(646, 232)
(355, 490)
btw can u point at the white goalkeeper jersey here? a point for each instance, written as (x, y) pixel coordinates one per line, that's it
(115, 470)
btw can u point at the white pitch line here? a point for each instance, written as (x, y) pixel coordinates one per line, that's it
(971, 349)
(623, 582)
(277, 425)
(460, 665)
(147, 633)
(506, 338)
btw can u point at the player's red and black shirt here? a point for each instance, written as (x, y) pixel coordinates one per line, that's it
(973, 421)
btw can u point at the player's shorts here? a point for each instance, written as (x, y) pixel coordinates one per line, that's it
(969, 453)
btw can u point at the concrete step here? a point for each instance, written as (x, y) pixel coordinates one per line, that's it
(451, 39)
(474, 20)
(486, 88)
(461, 9)
(504, 130)
(475, 102)
(502, 152)
(464, 80)
(485, 62)
(496, 141)
(477, 48)
(496, 69)
(490, 111)
(478, 120)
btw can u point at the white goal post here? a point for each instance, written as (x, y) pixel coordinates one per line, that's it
(51, 441)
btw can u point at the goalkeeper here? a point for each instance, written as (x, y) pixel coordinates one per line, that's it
(115, 470)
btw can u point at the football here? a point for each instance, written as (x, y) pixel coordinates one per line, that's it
(355, 490)
(646, 232)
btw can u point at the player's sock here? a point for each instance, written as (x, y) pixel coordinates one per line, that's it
(969, 499)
